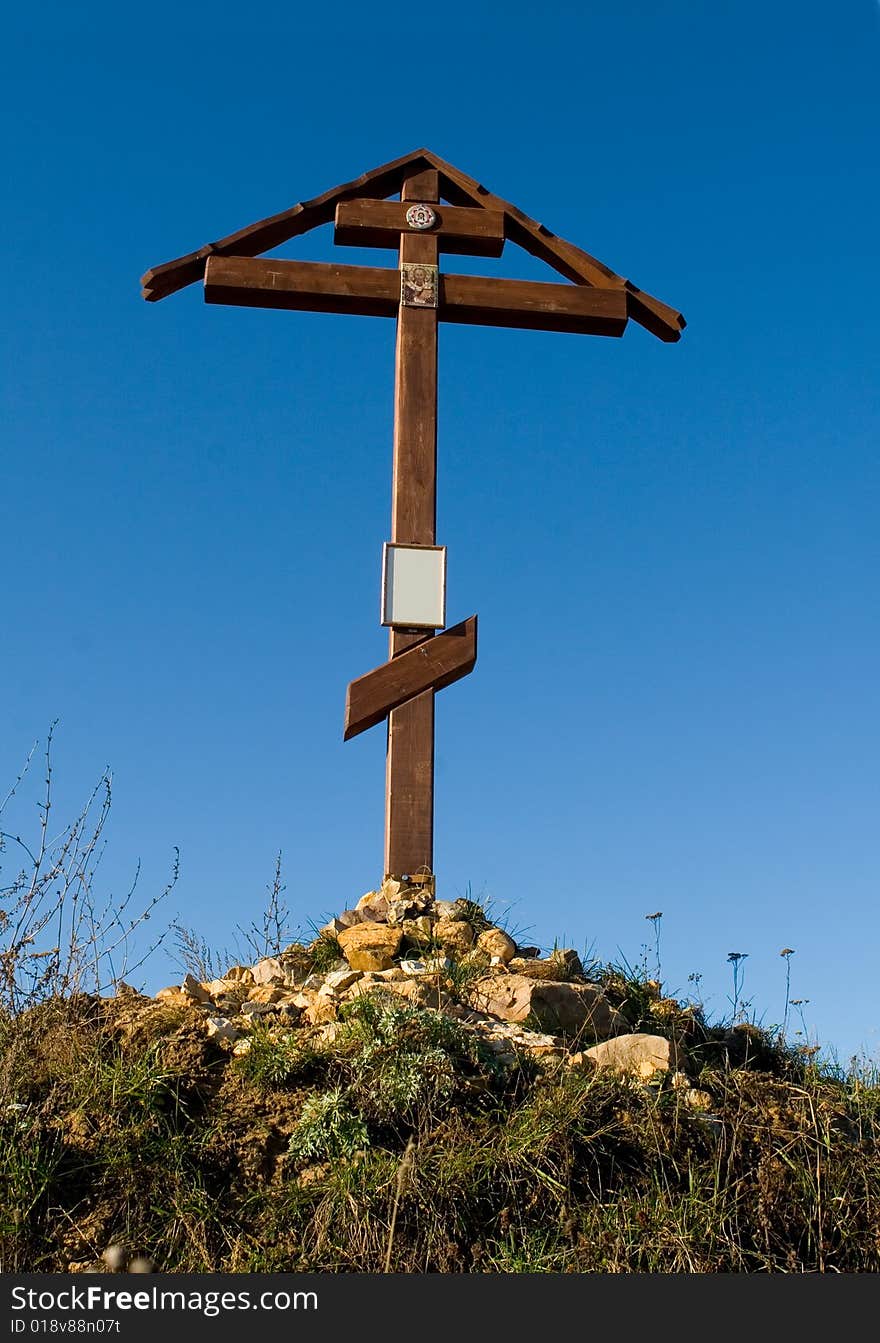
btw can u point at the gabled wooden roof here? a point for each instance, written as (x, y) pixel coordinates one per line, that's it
(455, 187)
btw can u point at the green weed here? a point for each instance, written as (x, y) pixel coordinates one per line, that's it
(328, 1127)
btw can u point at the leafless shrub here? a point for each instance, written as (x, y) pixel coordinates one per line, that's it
(272, 933)
(57, 937)
(266, 936)
(194, 954)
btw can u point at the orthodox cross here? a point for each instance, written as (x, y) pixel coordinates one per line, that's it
(439, 209)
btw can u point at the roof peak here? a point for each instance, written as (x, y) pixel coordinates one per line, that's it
(459, 189)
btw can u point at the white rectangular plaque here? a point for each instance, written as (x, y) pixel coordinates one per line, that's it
(414, 586)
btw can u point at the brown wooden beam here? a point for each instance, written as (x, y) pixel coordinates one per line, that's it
(573, 262)
(466, 232)
(433, 664)
(374, 291)
(160, 281)
(478, 300)
(304, 286)
(409, 757)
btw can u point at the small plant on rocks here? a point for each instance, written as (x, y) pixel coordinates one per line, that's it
(328, 1127)
(281, 1060)
(325, 953)
(407, 1064)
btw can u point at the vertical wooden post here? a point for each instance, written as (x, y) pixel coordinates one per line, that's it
(409, 773)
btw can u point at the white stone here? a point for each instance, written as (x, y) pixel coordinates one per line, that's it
(338, 980)
(217, 987)
(268, 971)
(221, 1028)
(373, 906)
(448, 909)
(697, 1099)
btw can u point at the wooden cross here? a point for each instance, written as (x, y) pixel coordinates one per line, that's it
(440, 209)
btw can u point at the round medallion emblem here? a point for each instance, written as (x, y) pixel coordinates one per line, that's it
(421, 217)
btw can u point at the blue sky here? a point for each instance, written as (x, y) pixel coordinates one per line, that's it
(673, 549)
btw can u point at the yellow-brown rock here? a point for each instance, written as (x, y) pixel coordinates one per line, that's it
(241, 974)
(174, 996)
(560, 1008)
(639, 1054)
(418, 931)
(191, 988)
(266, 993)
(320, 1010)
(533, 968)
(418, 992)
(454, 936)
(370, 946)
(495, 942)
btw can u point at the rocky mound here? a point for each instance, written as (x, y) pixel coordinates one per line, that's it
(402, 943)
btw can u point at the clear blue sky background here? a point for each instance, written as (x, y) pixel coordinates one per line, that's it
(673, 549)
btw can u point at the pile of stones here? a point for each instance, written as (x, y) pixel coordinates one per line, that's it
(440, 955)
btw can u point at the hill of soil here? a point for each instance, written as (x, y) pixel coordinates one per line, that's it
(414, 1092)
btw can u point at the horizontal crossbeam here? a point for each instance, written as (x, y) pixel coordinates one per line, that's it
(302, 286)
(375, 292)
(367, 223)
(434, 664)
